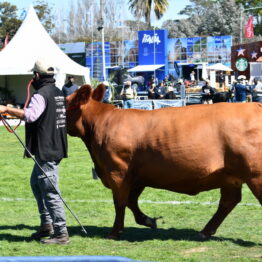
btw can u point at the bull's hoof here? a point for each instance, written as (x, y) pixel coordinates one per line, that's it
(203, 236)
(151, 222)
(113, 236)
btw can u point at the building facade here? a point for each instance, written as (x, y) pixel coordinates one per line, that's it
(177, 55)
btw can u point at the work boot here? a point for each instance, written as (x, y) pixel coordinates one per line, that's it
(61, 239)
(45, 230)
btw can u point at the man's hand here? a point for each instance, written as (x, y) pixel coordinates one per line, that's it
(12, 111)
(3, 109)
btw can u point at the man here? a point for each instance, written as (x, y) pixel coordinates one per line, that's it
(207, 93)
(257, 89)
(69, 87)
(241, 90)
(221, 80)
(128, 94)
(160, 90)
(192, 77)
(46, 139)
(108, 93)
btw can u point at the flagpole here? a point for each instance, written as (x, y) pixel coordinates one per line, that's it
(103, 38)
(241, 33)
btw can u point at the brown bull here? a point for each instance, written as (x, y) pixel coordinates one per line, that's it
(186, 150)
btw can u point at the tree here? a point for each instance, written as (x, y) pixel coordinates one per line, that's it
(83, 20)
(184, 27)
(9, 23)
(221, 18)
(143, 8)
(256, 13)
(207, 18)
(44, 13)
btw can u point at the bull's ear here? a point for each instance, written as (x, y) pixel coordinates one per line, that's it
(98, 93)
(82, 95)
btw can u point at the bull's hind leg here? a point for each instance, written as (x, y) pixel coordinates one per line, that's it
(255, 184)
(230, 197)
(140, 217)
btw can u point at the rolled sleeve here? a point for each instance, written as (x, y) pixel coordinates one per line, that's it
(35, 109)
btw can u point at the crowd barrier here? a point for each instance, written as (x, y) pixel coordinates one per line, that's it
(167, 103)
(143, 104)
(67, 259)
(153, 104)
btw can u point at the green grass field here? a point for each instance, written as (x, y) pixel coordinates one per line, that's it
(239, 238)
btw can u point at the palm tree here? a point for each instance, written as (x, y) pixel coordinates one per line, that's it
(142, 8)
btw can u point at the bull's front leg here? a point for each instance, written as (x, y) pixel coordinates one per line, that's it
(230, 197)
(120, 189)
(118, 226)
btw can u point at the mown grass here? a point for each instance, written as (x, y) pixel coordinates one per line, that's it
(237, 239)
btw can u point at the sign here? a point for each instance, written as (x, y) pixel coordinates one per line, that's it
(152, 47)
(241, 64)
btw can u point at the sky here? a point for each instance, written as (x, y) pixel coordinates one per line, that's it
(61, 6)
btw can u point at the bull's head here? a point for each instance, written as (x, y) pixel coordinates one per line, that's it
(77, 107)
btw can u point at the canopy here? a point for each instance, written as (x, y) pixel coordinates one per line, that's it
(219, 67)
(145, 68)
(31, 42)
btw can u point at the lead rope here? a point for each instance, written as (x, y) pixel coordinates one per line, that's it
(25, 105)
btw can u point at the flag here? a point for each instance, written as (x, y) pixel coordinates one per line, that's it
(249, 31)
(6, 40)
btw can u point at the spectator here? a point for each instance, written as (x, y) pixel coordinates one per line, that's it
(192, 77)
(221, 80)
(207, 93)
(170, 91)
(257, 88)
(186, 83)
(152, 80)
(152, 91)
(128, 94)
(108, 93)
(241, 90)
(160, 91)
(69, 87)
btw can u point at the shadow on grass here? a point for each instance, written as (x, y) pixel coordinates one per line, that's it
(16, 238)
(133, 234)
(130, 234)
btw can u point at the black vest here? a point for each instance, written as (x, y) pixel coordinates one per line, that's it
(46, 138)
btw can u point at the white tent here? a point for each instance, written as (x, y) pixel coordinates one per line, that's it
(219, 67)
(29, 43)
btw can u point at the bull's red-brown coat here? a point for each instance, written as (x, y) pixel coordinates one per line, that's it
(186, 150)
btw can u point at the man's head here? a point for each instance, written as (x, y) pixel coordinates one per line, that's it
(71, 79)
(241, 78)
(207, 82)
(127, 84)
(43, 71)
(43, 67)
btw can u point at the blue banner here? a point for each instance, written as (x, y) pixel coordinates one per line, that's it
(152, 47)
